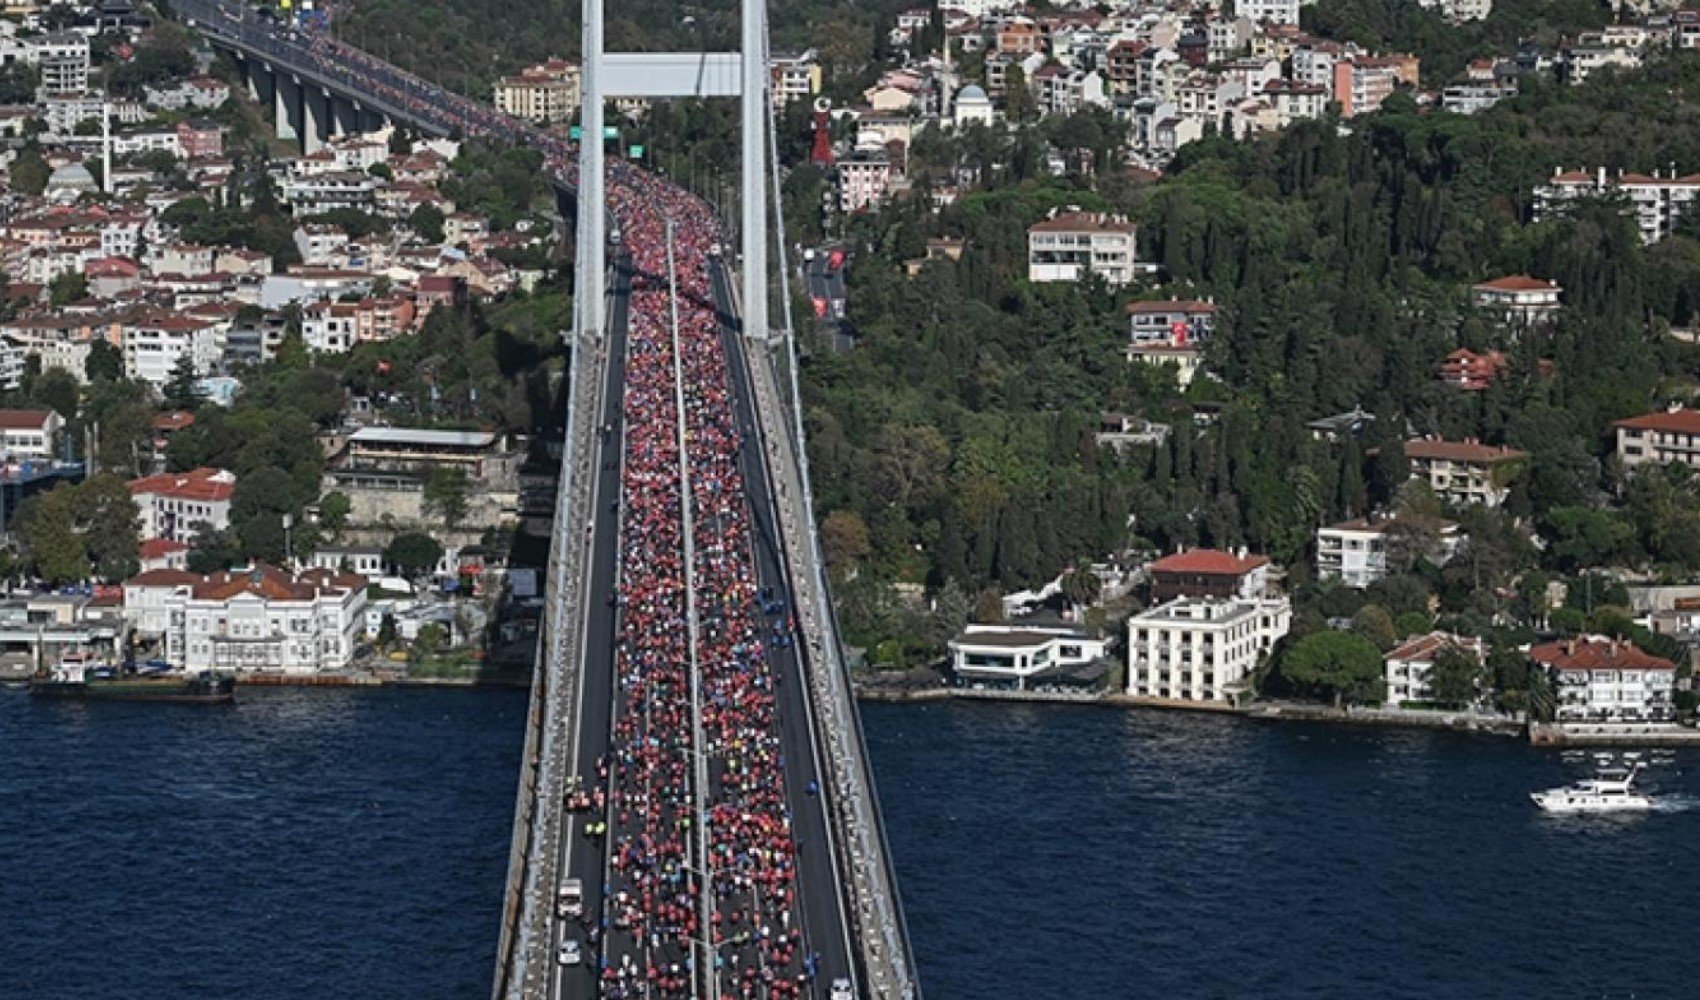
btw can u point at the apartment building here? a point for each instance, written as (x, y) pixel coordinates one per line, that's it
(1464, 472)
(1172, 321)
(1068, 246)
(1659, 438)
(174, 504)
(795, 77)
(1600, 679)
(1655, 200)
(1407, 666)
(1518, 300)
(545, 93)
(1202, 649)
(1355, 552)
(154, 344)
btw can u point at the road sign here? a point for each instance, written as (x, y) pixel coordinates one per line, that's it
(576, 132)
(634, 152)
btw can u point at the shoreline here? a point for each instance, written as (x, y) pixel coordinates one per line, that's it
(1539, 735)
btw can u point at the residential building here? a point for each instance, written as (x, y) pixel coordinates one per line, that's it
(174, 504)
(1023, 655)
(1518, 300)
(154, 344)
(1209, 573)
(1202, 649)
(1459, 11)
(1361, 82)
(163, 553)
(863, 179)
(1659, 438)
(1407, 666)
(1174, 321)
(1469, 98)
(1068, 246)
(1355, 552)
(1600, 679)
(257, 619)
(1464, 472)
(1269, 11)
(1472, 372)
(1656, 201)
(795, 77)
(545, 93)
(1187, 360)
(29, 434)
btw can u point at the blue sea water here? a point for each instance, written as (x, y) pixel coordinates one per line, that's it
(1088, 852)
(352, 843)
(301, 844)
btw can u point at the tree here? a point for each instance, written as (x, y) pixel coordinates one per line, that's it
(1344, 666)
(180, 391)
(29, 172)
(334, 509)
(105, 362)
(212, 551)
(68, 288)
(1374, 623)
(258, 505)
(110, 525)
(951, 608)
(49, 529)
(58, 390)
(1018, 101)
(1081, 585)
(844, 540)
(414, 553)
(1455, 676)
(427, 641)
(445, 493)
(427, 221)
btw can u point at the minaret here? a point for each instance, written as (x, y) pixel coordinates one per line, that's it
(106, 146)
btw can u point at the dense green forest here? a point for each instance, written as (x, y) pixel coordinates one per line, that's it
(466, 46)
(953, 444)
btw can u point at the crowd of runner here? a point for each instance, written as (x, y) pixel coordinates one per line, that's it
(654, 893)
(651, 915)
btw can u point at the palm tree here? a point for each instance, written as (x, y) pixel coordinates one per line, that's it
(1080, 585)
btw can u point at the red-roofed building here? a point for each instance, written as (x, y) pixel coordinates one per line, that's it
(257, 619)
(1407, 665)
(1208, 573)
(163, 554)
(1470, 371)
(1518, 299)
(1464, 472)
(1660, 438)
(1602, 679)
(174, 503)
(26, 434)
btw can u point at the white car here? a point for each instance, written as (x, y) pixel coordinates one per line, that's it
(841, 990)
(571, 953)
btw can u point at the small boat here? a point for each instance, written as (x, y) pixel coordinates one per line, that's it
(1609, 791)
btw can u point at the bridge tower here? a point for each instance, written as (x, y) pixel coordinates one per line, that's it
(742, 74)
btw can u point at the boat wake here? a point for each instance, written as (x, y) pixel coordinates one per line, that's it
(1676, 803)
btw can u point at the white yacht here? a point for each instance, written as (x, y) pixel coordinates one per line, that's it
(1609, 791)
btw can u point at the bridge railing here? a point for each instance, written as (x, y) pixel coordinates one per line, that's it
(887, 958)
